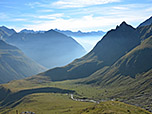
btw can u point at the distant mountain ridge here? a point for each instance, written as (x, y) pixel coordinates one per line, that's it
(30, 31)
(69, 33)
(81, 34)
(15, 65)
(49, 49)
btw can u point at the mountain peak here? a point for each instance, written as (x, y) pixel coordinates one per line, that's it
(123, 27)
(2, 27)
(123, 23)
(27, 31)
(49, 31)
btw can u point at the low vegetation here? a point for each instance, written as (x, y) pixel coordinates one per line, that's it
(47, 103)
(113, 107)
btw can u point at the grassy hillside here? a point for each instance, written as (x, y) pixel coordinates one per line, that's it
(130, 77)
(47, 103)
(40, 98)
(14, 64)
(145, 31)
(113, 107)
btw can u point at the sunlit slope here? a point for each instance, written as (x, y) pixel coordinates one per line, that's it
(113, 107)
(38, 98)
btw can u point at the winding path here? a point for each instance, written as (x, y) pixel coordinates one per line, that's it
(83, 100)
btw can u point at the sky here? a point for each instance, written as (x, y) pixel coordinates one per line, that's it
(84, 15)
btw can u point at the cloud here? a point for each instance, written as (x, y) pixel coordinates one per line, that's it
(149, 9)
(70, 3)
(120, 8)
(45, 11)
(96, 18)
(18, 19)
(85, 23)
(81, 3)
(33, 4)
(50, 16)
(3, 16)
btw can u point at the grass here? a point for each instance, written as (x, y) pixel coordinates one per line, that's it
(39, 100)
(113, 107)
(56, 103)
(82, 90)
(48, 103)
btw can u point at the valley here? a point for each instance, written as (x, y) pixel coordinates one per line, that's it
(115, 77)
(33, 101)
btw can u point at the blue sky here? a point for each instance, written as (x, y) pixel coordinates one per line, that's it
(84, 15)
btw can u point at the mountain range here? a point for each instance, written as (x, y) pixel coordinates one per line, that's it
(121, 59)
(69, 33)
(49, 49)
(118, 68)
(81, 34)
(113, 46)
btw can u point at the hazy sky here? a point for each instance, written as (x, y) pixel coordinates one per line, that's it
(84, 15)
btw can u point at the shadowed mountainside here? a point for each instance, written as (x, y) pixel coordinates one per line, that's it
(137, 61)
(15, 65)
